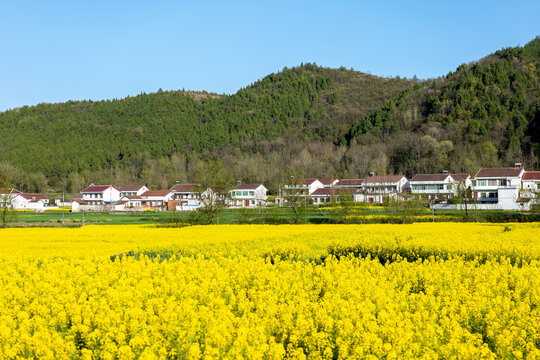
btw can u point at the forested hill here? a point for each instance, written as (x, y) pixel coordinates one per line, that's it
(308, 119)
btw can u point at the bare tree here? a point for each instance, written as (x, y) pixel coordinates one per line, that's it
(295, 195)
(214, 184)
(7, 195)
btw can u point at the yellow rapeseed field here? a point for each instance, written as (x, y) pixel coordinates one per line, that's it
(418, 291)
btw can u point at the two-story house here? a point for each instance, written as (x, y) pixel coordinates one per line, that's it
(498, 187)
(380, 188)
(100, 194)
(185, 197)
(248, 195)
(433, 186)
(157, 199)
(132, 190)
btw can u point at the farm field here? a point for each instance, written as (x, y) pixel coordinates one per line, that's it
(423, 290)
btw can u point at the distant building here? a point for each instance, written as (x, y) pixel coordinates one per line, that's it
(248, 195)
(100, 194)
(185, 197)
(379, 189)
(157, 199)
(331, 195)
(24, 201)
(498, 187)
(433, 186)
(131, 190)
(530, 184)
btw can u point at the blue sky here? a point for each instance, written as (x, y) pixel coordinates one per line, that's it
(54, 51)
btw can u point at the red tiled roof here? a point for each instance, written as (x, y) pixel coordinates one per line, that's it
(134, 197)
(81, 201)
(33, 197)
(498, 172)
(430, 177)
(327, 181)
(96, 188)
(130, 187)
(350, 182)
(156, 193)
(247, 186)
(185, 188)
(383, 179)
(460, 177)
(121, 202)
(531, 175)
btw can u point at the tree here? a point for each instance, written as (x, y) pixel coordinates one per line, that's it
(463, 197)
(214, 183)
(295, 195)
(7, 195)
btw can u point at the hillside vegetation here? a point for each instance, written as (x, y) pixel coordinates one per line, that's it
(308, 119)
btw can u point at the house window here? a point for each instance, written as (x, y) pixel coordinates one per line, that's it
(244, 193)
(481, 182)
(252, 193)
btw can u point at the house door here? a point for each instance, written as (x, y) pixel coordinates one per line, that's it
(246, 202)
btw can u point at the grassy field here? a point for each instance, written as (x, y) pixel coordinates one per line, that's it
(272, 215)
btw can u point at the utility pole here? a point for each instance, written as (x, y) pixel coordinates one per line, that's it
(63, 207)
(83, 218)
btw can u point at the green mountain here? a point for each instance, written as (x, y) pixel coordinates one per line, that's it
(308, 119)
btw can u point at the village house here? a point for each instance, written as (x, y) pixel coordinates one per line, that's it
(379, 189)
(298, 187)
(24, 201)
(186, 197)
(132, 190)
(7, 195)
(328, 183)
(530, 184)
(129, 203)
(331, 195)
(100, 194)
(78, 205)
(157, 199)
(248, 195)
(462, 180)
(433, 186)
(498, 188)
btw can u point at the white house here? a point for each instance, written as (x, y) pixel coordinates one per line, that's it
(328, 183)
(23, 201)
(433, 186)
(329, 195)
(298, 187)
(132, 190)
(378, 189)
(186, 197)
(248, 195)
(463, 179)
(498, 188)
(530, 184)
(100, 194)
(156, 199)
(78, 205)
(303, 186)
(129, 203)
